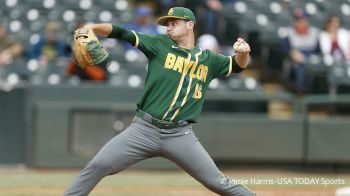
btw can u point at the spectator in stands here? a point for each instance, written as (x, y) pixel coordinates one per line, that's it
(143, 23)
(93, 73)
(51, 47)
(207, 12)
(211, 16)
(164, 5)
(10, 47)
(300, 42)
(334, 40)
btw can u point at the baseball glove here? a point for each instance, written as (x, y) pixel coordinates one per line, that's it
(88, 51)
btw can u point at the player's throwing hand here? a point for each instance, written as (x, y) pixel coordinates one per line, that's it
(240, 46)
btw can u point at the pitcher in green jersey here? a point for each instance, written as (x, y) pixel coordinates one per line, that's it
(177, 79)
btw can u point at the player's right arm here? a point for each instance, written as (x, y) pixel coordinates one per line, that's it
(144, 42)
(102, 29)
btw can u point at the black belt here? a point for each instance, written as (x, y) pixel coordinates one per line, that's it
(159, 123)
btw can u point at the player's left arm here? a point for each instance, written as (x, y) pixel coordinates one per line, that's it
(145, 42)
(102, 29)
(242, 50)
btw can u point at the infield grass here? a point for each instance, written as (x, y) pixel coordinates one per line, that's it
(34, 182)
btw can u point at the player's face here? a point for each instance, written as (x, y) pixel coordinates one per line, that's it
(177, 28)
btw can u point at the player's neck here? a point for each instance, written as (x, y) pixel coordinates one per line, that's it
(186, 42)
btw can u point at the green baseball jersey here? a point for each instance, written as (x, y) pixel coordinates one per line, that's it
(177, 78)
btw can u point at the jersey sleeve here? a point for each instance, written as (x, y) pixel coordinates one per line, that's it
(224, 65)
(145, 42)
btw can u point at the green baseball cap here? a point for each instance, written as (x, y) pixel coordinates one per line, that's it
(177, 13)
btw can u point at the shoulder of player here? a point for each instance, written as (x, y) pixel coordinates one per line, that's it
(163, 36)
(205, 52)
(211, 54)
(154, 37)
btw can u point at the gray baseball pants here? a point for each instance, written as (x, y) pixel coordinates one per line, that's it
(142, 140)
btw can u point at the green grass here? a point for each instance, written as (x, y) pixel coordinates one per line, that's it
(29, 182)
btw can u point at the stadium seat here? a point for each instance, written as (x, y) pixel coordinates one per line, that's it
(283, 19)
(269, 34)
(18, 67)
(291, 5)
(318, 20)
(72, 4)
(339, 78)
(40, 4)
(262, 7)
(247, 22)
(107, 5)
(91, 15)
(17, 13)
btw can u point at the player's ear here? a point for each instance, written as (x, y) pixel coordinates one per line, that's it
(190, 25)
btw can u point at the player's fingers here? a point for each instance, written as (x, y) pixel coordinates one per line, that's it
(246, 48)
(241, 47)
(235, 45)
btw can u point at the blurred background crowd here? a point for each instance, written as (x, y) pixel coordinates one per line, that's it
(302, 46)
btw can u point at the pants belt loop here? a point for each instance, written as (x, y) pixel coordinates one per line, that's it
(158, 123)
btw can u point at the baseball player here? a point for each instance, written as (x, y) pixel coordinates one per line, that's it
(177, 79)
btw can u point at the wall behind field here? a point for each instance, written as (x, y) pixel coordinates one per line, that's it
(64, 126)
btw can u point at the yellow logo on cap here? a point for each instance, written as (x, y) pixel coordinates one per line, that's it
(171, 11)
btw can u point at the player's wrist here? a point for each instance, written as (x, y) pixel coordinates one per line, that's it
(90, 26)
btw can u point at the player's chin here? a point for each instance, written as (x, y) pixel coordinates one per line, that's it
(170, 35)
